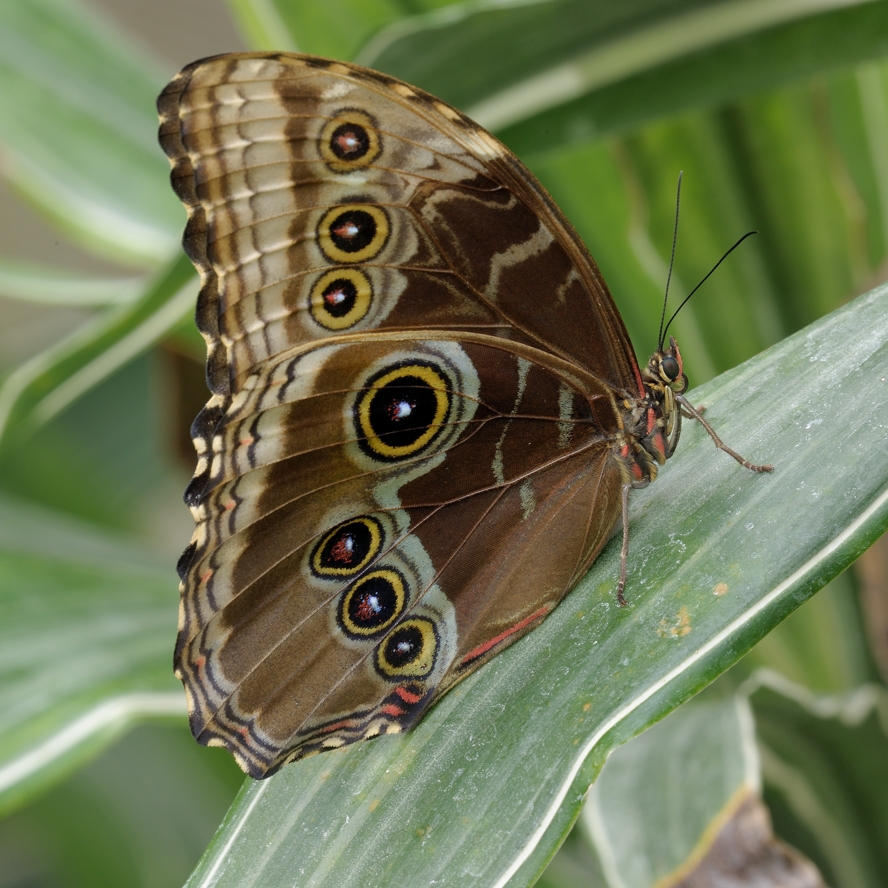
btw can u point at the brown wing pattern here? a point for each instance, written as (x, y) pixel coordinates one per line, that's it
(456, 232)
(415, 369)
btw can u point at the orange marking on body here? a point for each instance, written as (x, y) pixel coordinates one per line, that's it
(652, 420)
(636, 472)
(660, 443)
(407, 696)
(484, 648)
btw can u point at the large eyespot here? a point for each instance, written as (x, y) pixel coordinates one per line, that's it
(409, 651)
(349, 141)
(340, 298)
(372, 603)
(353, 232)
(348, 548)
(402, 410)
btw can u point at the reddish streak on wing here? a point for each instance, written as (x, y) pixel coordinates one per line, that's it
(346, 723)
(392, 709)
(407, 696)
(484, 648)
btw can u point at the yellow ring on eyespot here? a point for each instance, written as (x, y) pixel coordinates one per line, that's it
(437, 383)
(419, 666)
(326, 234)
(396, 583)
(363, 297)
(323, 570)
(358, 119)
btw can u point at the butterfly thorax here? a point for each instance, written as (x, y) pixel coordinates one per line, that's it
(652, 424)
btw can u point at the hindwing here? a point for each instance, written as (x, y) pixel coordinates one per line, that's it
(417, 374)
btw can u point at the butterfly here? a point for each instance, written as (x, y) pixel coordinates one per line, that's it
(425, 417)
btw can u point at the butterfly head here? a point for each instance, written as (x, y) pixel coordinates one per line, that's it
(665, 369)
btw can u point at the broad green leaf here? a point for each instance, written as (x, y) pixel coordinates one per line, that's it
(596, 66)
(78, 129)
(487, 785)
(710, 77)
(662, 798)
(32, 283)
(335, 28)
(39, 389)
(85, 643)
(825, 766)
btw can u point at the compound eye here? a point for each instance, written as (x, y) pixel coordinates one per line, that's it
(670, 368)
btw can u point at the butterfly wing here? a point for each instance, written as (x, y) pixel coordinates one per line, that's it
(454, 232)
(350, 565)
(407, 459)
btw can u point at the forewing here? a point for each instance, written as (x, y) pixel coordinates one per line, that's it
(452, 231)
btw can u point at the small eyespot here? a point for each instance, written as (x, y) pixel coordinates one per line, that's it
(409, 651)
(353, 232)
(349, 141)
(340, 298)
(348, 548)
(372, 603)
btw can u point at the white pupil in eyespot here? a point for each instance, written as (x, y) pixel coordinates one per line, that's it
(401, 409)
(348, 229)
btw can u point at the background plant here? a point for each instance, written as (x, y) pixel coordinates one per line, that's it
(778, 115)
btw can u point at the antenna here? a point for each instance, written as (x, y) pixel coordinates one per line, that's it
(671, 264)
(677, 310)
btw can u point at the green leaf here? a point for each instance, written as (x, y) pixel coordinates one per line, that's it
(335, 28)
(825, 765)
(515, 747)
(42, 387)
(32, 283)
(593, 67)
(85, 642)
(712, 76)
(662, 798)
(78, 129)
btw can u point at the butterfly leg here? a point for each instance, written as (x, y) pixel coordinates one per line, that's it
(691, 412)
